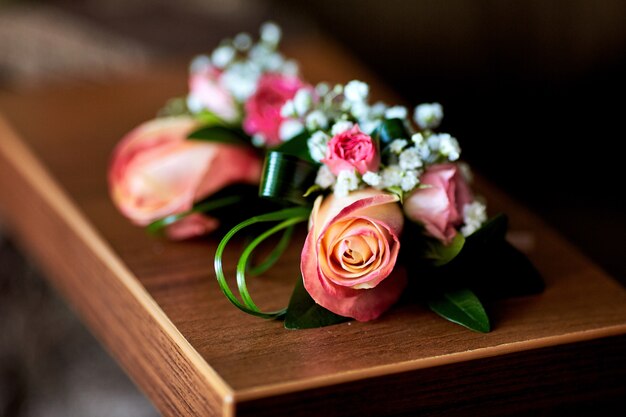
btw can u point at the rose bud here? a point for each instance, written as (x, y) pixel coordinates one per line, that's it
(155, 171)
(439, 207)
(349, 255)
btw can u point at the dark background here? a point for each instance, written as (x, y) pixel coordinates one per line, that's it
(532, 89)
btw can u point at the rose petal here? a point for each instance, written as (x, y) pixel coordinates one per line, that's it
(366, 293)
(191, 226)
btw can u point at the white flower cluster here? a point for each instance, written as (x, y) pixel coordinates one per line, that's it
(474, 215)
(241, 62)
(329, 111)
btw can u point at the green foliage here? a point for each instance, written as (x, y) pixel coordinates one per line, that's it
(221, 134)
(304, 313)
(287, 218)
(286, 178)
(461, 307)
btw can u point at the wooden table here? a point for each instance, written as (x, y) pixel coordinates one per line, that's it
(156, 306)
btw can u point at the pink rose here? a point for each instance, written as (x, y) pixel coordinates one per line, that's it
(350, 253)
(206, 92)
(155, 172)
(351, 149)
(440, 206)
(263, 107)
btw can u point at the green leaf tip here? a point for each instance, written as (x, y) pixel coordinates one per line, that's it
(462, 307)
(304, 313)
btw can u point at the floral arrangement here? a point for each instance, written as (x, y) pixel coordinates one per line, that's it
(389, 206)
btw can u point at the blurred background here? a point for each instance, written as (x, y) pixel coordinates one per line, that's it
(533, 89)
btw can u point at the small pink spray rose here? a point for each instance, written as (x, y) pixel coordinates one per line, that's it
(263, 107)
(351, 149)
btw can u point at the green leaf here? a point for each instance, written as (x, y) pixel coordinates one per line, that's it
(176, 106)
(287, 218)
(441, 254)
(312, 190)
(296, 146)
(388, 130)
(493, 230)
(274, 255)
(461, 307)
(304, 313)
(221, 134)
(286, 178)
(397, 191)
(210, 118)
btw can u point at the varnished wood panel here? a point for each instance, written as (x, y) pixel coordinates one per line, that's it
(156, 306)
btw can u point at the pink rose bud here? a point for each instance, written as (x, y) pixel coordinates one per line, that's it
(350, 252)
(351, 149)
(155, 172)
(206, 92)
(439, 207)
(263, 107)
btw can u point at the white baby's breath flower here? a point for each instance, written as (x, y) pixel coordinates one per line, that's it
(417, 138)
(378, 109)
(288, 109)
(424, 152)
(243, 41)
(359, 109)
(194, 104)
(341, 126)
(271, 33)
(302, 101)
(325, 177)
(433, 142)
(266, 58)
(428, 115)
(409, 180)
(316, 120)
(223, 56)
(391, 176)
(290, 67)
(289, 128)
(199, 63)
(322, 89)
(346, 181)
(273, 62)
(397, 145)
(372, 178)
(368, 126)
(241, 80)
(396, 112)
(356, 91)
(474, 215)
(449, 147)
(258, 140)
(410, 159)
(318, 145)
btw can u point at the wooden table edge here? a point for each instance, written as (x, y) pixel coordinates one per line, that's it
(18, 157)
(252, 394)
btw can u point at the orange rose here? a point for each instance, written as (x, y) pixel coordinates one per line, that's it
(350, 253)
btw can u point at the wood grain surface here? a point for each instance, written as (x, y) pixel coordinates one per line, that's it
(157, 308)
